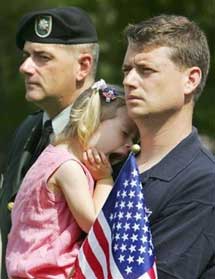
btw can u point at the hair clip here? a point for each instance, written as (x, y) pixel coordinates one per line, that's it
(108, 92)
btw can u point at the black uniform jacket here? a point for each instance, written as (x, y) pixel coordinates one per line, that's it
(21, 149)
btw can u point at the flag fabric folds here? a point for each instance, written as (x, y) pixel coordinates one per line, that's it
(119, 244)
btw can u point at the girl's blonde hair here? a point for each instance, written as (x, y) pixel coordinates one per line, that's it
(88, 111)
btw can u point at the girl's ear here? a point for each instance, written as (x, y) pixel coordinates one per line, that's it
(192, 80)
(85, 66)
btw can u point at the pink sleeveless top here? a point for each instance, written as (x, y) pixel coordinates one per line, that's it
(44, 239)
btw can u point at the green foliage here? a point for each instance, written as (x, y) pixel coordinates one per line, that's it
(110, 17)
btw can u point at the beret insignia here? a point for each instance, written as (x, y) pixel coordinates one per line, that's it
(43, 26)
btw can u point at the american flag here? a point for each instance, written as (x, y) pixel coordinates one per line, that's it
(119, 244)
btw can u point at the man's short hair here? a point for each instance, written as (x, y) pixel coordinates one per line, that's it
(183, 36)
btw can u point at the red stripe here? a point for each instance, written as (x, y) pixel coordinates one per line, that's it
(98, 231)
(151, 273)
(78, 273)
(92, 260)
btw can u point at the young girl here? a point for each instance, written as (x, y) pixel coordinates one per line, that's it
(57, 199)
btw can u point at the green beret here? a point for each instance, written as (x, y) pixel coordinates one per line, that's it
(68, 25)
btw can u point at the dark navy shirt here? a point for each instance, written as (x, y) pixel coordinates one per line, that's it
(180, 192)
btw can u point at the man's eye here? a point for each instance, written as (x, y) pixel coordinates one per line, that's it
(23, 57)
(44, 57)
(146, 71)
(40, 57)
(125, 71)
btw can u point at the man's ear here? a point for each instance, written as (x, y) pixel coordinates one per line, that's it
(192, 80)
(85, 61)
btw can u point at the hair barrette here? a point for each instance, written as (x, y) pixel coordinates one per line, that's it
(108, 92)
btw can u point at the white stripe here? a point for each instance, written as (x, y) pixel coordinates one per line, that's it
(146, 275)
(106, 230)
(98, 252)
(84, 266)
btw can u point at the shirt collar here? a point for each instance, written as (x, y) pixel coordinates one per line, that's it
(60, 121)
(177, 159)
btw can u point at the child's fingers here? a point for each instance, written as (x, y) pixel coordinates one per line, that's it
(92, 156)
(104, 158)
(96, 156)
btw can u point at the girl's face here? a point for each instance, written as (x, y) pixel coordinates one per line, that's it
(115, 135)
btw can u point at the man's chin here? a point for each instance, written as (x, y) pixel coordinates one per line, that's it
(32, 97)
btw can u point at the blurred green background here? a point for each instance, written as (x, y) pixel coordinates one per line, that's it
(110, 18)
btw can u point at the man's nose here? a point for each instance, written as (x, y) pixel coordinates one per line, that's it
(129, 79)
(27, 66)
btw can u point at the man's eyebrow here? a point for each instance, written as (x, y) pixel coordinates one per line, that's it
(126, 66)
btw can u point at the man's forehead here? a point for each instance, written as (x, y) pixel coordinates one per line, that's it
(146, 54)
(39, 47)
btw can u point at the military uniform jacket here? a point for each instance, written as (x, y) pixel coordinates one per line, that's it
(21, 149)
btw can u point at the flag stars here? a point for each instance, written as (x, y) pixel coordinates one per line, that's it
(128, 215)
(137, 216)
(132, 248)
(116, 204)
(117, 236)
(136, 227)
(124, 194)
(140, 195)
(123, 247)
(111, 217)
(146, 219)
(115, 247)
(140, 260)
(122, 204)
(126, 183)
(128, 269)
(145, 229)
(121, 258)
(142, 250)
(125, 237)
(133, 183)
(119, 226)
(144, 239)
(130, 204)
(130, 259)
(127, 226)
(150, 252)
(134, 173)
(131, 194)
(134, 237)
(120, 215)
(139, 205)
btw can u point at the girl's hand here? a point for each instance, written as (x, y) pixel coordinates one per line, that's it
(97, 163)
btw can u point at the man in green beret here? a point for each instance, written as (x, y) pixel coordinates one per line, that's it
(60, 53)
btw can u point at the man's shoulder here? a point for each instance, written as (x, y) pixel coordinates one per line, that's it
(33, 117)
(26, 128)
(29, 122)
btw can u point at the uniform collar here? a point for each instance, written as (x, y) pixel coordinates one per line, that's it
(60, 121)
(177, 159)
